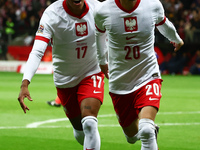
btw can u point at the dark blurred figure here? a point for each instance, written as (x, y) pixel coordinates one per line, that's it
(175, 64)
(3, 47)
(196, 25)
(195, 68)
(10, 29)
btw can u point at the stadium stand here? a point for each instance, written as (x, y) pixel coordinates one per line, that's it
(19, 21)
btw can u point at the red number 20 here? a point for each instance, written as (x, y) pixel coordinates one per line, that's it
(135, 55)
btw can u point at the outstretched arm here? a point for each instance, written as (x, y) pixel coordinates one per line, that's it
(32, 64)
(168, 30)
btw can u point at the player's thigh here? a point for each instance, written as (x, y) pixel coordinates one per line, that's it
(68, 98)
(148, 112)
(148, 99)
(90, 94)
(90, 107)
(125, 109)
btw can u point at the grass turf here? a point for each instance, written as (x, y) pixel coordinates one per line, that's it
(178, 118)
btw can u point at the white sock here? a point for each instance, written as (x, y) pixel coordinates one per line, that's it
(79, 136)
(92, 137)
(147, 134)
(131, 140)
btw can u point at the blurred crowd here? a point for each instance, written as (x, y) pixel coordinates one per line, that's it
(21, 17)
(18, 17)
(185, 14)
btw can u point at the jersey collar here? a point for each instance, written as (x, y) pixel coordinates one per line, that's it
(130, 11)
(72, 14)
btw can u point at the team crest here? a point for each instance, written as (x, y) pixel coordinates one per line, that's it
(81, 29)
(130, 24)
(40, 29)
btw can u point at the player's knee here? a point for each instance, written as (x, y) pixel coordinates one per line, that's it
(146, 129)
(89, 124)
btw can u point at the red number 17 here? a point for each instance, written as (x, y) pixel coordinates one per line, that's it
(78, 49)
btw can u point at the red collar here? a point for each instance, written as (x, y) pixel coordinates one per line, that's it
(72, 14)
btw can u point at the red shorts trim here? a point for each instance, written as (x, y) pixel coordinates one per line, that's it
(127, 106)
(71, 98)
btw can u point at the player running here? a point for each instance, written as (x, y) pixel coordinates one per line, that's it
(133, 71)
(77, 76)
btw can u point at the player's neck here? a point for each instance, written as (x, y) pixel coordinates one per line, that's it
(128, 4)
(76, 10)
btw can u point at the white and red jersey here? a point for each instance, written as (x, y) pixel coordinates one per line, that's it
(73, 38)
(131, 57)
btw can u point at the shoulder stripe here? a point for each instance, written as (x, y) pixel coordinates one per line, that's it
(162, 22)
(42, 39)
(99, 29)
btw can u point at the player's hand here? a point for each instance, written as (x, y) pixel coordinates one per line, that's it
(177, 46)
(104, 69)
(24, 93)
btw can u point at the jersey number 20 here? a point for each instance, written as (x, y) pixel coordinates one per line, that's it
(132, 52)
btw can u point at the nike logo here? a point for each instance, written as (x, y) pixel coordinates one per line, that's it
(128, 38)
(153, 99)
(97, 92)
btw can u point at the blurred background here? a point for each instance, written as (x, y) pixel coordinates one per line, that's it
(19, 21)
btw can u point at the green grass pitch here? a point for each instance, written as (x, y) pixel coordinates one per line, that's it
(47, 128)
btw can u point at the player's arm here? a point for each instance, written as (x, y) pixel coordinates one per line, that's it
(42, 39)
(32, 64)
(102, 52)
(100, 36)
(166, 28)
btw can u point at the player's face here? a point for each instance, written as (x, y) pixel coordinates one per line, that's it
(75, 4)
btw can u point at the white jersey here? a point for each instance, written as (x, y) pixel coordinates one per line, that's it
(73, 38)
(131, 58)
